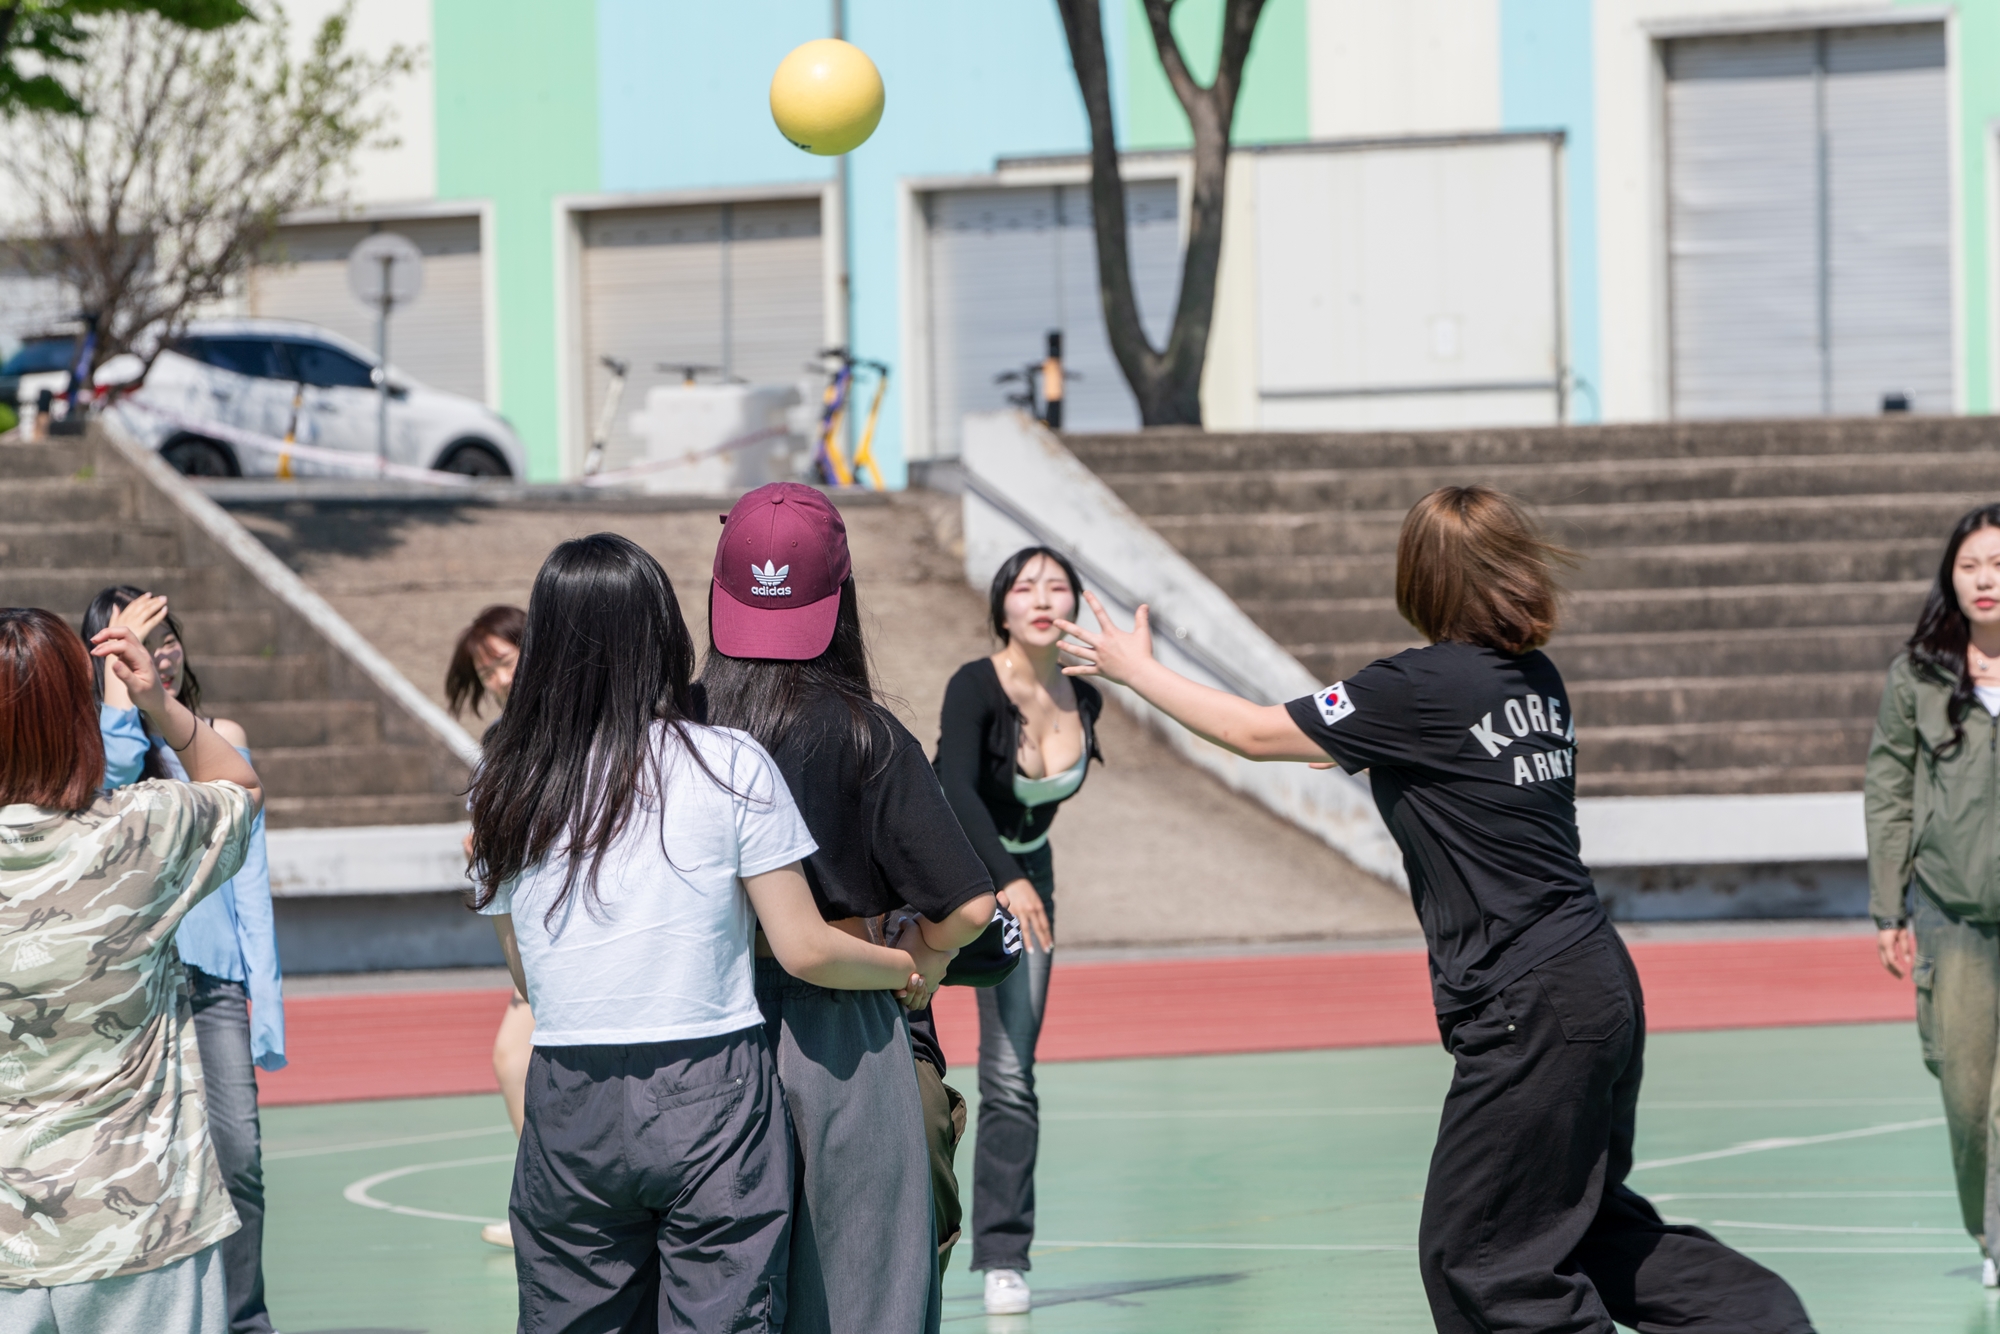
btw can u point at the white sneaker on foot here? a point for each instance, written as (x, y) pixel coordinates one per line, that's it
(1989, 1274)
(1006, 1292)
(499, 1234)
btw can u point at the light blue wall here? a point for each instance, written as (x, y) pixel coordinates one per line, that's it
(682, 103)
(1546, 83)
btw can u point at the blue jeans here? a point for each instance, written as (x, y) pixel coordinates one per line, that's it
(1003, 1165)
(222, 1032)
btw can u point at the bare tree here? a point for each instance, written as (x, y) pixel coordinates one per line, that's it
(156, 202)
(1166, 381)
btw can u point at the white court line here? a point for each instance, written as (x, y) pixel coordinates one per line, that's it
(1197, 1113)
(1829, 1227)
(388, 1143)
(1808, 1195)
(1794, 1142)
(1208, 1246)
(1967, 1250)
(357, 1193)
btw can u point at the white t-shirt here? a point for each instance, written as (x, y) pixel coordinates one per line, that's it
(1989, 698)
(663, 951)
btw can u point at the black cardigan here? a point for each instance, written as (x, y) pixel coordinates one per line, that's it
(978, 740)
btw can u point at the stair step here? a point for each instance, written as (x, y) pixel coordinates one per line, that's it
(202, 587)
(345, 771)
(1731, 745)
(1583, 658)
(1785, 606)
(335, 812)
(59, 458)
(1724, 782)
(1170, 449)
(1625, 482)
(62, 545)
(60, 499)
(1726, 699)
(1912, 517)
(1609, 569)
(228, 679)
(307, 722)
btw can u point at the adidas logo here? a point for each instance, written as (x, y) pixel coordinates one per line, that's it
(770, 580)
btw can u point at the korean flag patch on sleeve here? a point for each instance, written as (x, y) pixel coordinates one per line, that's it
(1333, 703)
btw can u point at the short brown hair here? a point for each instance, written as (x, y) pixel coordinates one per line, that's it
(1472, 568)
(51, 754)
(461, 679)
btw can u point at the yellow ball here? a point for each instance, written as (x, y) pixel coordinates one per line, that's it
(827, 97)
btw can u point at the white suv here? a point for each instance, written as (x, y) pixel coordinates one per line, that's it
(266, 377)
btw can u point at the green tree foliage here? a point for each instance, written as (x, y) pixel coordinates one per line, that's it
(155, 203)
(54, 35)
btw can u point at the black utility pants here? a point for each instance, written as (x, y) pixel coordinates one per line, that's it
(1527, 1222)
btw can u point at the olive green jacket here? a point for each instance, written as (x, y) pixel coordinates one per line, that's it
(1932, 819)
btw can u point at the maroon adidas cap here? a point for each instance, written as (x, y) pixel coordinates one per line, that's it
(778, 572)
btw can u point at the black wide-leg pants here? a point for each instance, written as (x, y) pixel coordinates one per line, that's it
(1527, 1222)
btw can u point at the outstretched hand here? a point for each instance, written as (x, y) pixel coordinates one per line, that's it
(125, 653)
(1114, 654)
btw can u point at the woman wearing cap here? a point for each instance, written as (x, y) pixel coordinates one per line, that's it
(622, 849)
(1016, 739)
(788, 666)
(1471, 748)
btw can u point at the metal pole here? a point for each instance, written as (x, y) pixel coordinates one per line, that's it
(846, 239)
(382, 361)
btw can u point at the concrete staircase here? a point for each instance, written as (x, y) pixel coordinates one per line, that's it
(1743, 589)
(76, 516)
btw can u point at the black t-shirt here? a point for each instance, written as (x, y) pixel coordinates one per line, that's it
(1472, 756)
(886, 835)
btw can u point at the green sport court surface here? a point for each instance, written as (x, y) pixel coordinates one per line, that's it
(1223, 1193)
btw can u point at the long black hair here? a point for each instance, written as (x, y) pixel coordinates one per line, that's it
(1010, 570)
(766, 696)
(605, 656)
(108, 603)
(1937, 648)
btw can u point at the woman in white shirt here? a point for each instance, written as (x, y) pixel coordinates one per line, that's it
(627, 854)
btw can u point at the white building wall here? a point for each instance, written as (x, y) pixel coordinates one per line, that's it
(1392, 67)
(409, 170)
(1631, 179)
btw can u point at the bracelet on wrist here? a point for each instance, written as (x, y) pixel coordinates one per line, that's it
(193, 732)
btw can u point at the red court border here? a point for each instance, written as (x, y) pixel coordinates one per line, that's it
(427, 1043)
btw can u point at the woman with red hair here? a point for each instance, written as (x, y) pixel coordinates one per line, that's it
(104, 1144)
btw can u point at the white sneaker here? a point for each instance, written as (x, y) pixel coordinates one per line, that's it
(1989, 1274)
(499, 1234)
(1006, 1292)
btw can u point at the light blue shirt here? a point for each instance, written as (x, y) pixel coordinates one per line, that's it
(231, 934)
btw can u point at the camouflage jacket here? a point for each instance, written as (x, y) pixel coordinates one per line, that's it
(105, 1162)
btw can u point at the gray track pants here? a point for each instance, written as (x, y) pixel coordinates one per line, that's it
(185, 1297)
(864, 1247)
(653, 1189)
(1958, 1019)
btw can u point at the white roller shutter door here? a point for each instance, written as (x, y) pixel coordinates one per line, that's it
(1010, 263)
(1810, 260)
(733, 287)
(1408, 286)
(1889, 195)
(440, 338)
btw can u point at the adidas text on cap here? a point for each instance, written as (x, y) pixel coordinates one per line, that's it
(778, 572)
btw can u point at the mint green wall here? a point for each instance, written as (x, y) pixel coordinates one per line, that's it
(1976, 68)
(517, 124)
(1272, 107)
